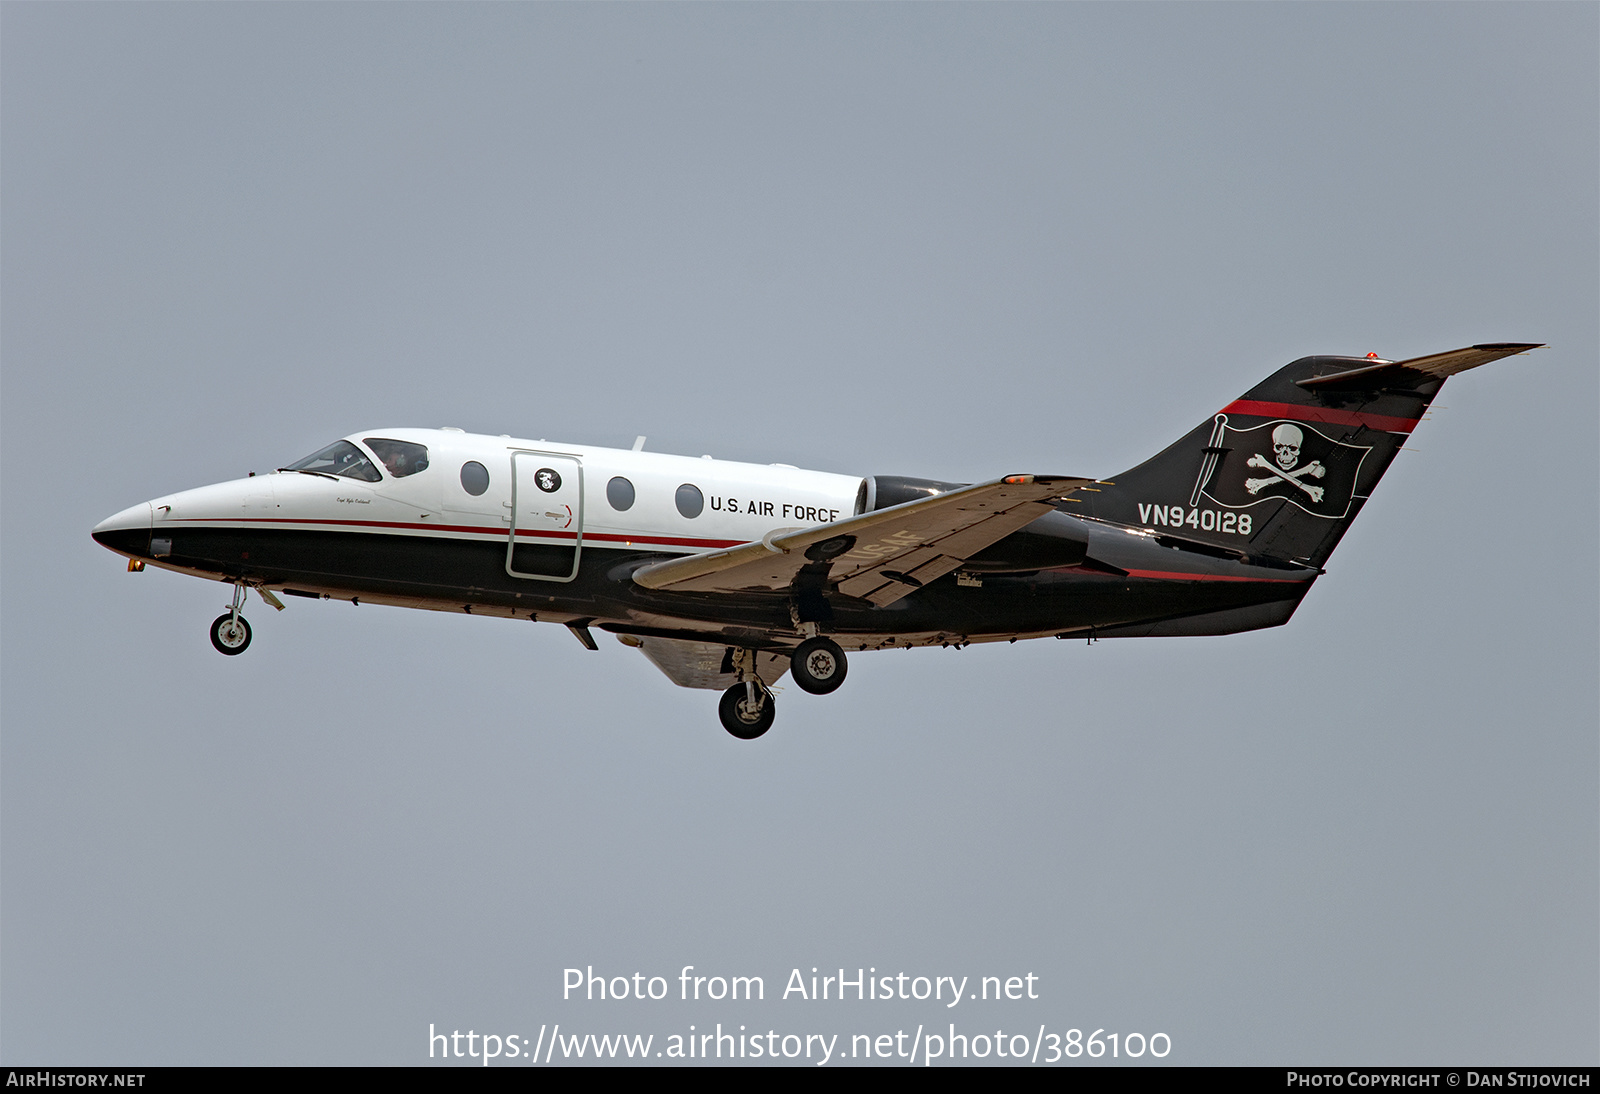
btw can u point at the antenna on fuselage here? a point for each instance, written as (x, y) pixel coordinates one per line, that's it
(638, 444)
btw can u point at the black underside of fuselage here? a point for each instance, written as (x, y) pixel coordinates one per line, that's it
(465, 575)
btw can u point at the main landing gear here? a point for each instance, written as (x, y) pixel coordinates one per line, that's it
(818, 665)
(230, 634)
(747, 709)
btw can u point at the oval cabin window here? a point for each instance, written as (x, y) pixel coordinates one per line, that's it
(690, 500)
(474, 478)
(619, 492)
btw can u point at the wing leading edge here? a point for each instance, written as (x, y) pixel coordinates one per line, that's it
(880, 556)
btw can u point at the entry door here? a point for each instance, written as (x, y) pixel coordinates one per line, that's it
(546, 516)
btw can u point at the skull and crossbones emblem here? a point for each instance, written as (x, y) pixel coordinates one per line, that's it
(1286, 441)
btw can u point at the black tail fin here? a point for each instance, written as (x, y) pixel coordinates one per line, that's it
(1282, 471)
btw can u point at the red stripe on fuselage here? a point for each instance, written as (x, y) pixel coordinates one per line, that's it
(665, 541)
(1175, 575)
(1323, 414)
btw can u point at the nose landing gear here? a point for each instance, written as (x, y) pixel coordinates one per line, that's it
(230, 634)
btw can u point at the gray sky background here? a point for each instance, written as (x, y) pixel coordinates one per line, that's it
(943, 240)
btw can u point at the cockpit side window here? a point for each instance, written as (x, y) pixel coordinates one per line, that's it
(400, 458)
(339, 458)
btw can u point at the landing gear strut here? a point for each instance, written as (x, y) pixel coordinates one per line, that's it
(818, 665)
(747, 708)
(230, 634)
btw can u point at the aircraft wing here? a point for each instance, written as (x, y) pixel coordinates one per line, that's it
(880, 556)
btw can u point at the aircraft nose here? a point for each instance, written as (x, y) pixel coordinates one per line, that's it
(127, 531)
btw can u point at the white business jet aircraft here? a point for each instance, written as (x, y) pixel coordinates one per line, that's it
(726, 575)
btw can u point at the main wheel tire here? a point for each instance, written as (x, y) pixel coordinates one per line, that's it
(230, 637)
(739, 719)
(818, 665)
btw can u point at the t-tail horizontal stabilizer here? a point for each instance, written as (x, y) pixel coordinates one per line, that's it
(1280, 473)
(1418, 370)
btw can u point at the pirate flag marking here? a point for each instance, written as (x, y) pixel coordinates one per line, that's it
(1284, 460)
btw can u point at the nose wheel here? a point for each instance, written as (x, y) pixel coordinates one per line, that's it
(746, 710)
(818, 665)
(230, 634)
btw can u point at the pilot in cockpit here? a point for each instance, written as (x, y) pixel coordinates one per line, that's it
(399, 458)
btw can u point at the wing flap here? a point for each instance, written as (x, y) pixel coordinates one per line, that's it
(882, 589)
(872, 554)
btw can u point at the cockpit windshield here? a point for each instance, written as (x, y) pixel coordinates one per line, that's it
(400, 458)
(339, 458)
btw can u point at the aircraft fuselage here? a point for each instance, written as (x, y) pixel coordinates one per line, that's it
(563, 547)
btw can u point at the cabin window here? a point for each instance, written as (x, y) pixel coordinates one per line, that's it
(619, 492)
(690, 500)
(339, 458)
(474, 478)
(400, 458)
